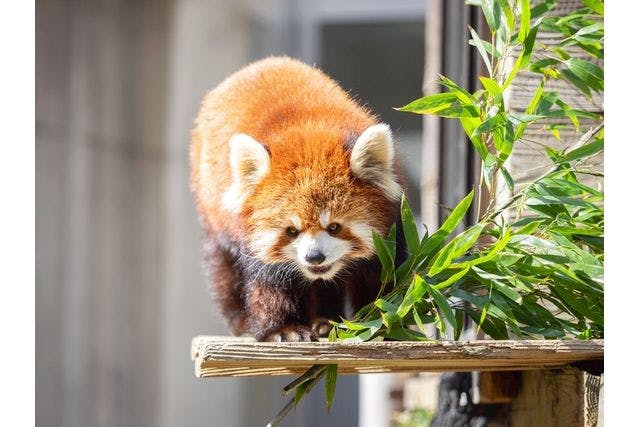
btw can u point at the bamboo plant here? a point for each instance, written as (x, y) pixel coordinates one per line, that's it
(541, 276)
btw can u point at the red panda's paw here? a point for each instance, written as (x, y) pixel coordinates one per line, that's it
(321, 326)
(292, 333)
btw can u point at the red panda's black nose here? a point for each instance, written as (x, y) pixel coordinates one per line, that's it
(314, 257)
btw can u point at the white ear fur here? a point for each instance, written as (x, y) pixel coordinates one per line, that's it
(250, 163)
(372, 159)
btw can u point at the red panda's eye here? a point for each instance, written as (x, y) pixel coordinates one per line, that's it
(292, 232)
(333, 228)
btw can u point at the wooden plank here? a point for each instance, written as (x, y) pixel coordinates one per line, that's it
(216, 356)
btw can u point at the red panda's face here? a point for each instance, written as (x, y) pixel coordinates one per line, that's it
(315, 210)
(316, 223)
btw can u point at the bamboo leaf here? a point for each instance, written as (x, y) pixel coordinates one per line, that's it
(489, 125)
(491, 11)
(589, 29)
(453, 278)
(409, 227)
(494, 328)
(330, 380)
(525, 20)
(470, 124)
(523, 58)
(583, 151)
(579, 305)
(488, 167)
(508, 179)
(460, 93)
(491, 86)
(577, 82)
(508, 14)
(530, 227)
(518, 118)
(345, 335)
(385, 305)
(430, 104)
(596, 5)
(333, 335)
(529, 43)
(457, 214)
(455, 217)
(459, 324)
(483, 316)
(385, 256)
(542, 7)
(443, 305)
(488, 47)
(503, 140)
(517, 66)
(590, 74)
(495, 249)
(400, 333)
(456, 111)
(478, 42)
(455, 248)
(416, 291)
(360, 326)
(421, 319)
(507, 292)
(310, 374)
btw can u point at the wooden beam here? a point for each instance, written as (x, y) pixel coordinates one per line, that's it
(217, 356)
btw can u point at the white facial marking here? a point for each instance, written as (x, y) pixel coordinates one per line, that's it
(325, 216)
(296, 221)
(263, 241)
(363, 232)
(332, 248)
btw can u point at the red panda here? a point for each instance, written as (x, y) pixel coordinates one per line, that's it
(290, 177)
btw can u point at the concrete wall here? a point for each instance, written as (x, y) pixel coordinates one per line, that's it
(119, 286)
(100, 69)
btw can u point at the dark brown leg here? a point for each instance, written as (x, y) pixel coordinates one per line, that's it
(226, 286)
(327, 302)
(277, 314)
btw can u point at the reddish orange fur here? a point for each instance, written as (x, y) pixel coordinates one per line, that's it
(304, 119)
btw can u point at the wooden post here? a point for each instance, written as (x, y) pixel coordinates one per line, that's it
(496, 387)
(556, 398)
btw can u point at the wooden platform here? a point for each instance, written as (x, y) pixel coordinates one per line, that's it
(217, 356)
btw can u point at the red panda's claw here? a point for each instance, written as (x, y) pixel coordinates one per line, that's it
(292, 333)
(321, 326)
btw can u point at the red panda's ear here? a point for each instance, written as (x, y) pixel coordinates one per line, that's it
(250, 163)
(372, 159)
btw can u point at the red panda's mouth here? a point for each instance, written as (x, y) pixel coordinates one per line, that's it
(319, 270)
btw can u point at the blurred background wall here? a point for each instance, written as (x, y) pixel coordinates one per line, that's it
(119, 286)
